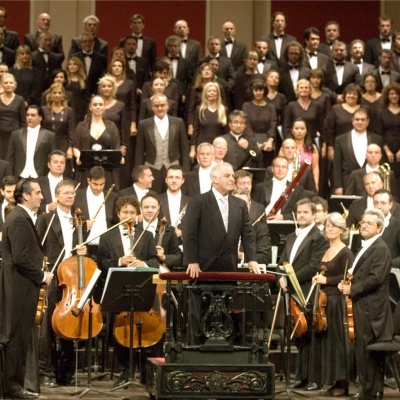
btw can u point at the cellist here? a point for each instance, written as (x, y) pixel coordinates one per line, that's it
(304, 252)
(60, 239)
(115, 251)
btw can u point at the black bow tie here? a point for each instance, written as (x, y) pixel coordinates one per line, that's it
(88, 55)
(293, 67)
(261, 60)
(184, 40)
(228, 41)
(174, 58)
(131, 58)
(139, 37)
(385, 73)
(385, 40)
(357, 62)
(314, 54)
(278, 36)
(339, 63)
(45, 52)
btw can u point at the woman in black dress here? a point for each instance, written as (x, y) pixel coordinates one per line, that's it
(12, 112)
(28, 78)
(261, 119)
(319, 93)
(329, 349)
(97, 133)
(369, 85)
(77, 84)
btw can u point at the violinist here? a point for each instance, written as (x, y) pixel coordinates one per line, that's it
(115, 251)
(329, 355)
(21, 275)
(61, 238)
(304, 252)
(369, 291)
(167, 243)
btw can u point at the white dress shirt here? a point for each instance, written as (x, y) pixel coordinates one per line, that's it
(301, 234)
(100, 224)
(31, 140)
(67, 229)
(162, 125)
(365, 245)
(174, 205)
(359, 142)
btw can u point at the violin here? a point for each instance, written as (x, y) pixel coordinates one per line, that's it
(73, 275)
(350, 316)
(298, 319)
(41, 306)
(320, 322)
(148, 327)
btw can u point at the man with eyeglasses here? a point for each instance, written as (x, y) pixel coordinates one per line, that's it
(369, 292)
(220, 149)
(57, 367)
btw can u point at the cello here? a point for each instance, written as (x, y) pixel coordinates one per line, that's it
(74, 274)
(148, 327)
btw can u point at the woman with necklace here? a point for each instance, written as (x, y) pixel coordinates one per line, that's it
(60, 119)
(261, 118)
(12, 112)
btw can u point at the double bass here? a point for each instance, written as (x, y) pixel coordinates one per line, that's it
(74, 274)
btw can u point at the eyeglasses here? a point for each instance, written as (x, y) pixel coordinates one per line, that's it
(368, 223)
(68, 194)
(220, 147)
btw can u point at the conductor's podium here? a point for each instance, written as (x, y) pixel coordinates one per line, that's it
(215, 369)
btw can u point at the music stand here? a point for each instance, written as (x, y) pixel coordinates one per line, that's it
(108, 159)
(278, 231)
(336, 201)
(130, 290)
(258, 174)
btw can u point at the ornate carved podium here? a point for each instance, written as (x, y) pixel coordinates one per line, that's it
(215, 369)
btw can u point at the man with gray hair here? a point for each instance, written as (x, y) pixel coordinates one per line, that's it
(162, 141)
(90, 25)
(369, 291)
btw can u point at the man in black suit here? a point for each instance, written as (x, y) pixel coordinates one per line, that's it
(356, 180)
(383, 72)
(338, 72)
(95, 63)
(7, 189)
(173, 202)
(357, 51)
(242, 147)
(292, 69)
(332, 33)
(304, 252)
(278, 39)
(57, 367)
(346, 158)
(20, 278)
(7, 56)
(138, 66)
(396, 53)
(56, 163)
(313, 58)
(29, 148)
(43, 25)
(5, 169)
(11, 40)
(146, 46)
(267, 193)
(264, 64)
(90, 25)
(383, 200)
(383, 41)
(142, 178)
(369, 292)
(232, 48)
(161, 142)
(45, 60)
(190, 49)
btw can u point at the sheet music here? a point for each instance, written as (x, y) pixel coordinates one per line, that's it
(88, 290)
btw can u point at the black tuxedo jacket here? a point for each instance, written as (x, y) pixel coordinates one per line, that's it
(239, 53)
(345, 160)
(163, 198)
(11, 40)
(149, 51)
(286, 84)
(178, 145)
(355, 185)
(30, 39)
(205, 239)
(272, 54)
(391, 236)
(81, 202)
(393, 77)
(321, 57)
(191, 186)
(184, 74)
(366, 68)
(373, 48)
(351, 74)
(193, 53)
(142, 73)
(395, 66)
(111, 250)
(97, 69)
(263, 191)
(8, 56)
(308, 256)
(16, 152)
(370, 291)
(169, 242)
(256, 209)
(5, 169)
(100, 46)
(46, 69)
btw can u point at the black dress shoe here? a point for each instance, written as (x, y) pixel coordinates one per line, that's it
(124, 378)
(299, 384)
(22, 394)
(312, 386)
(48, 382)
(379, 396)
